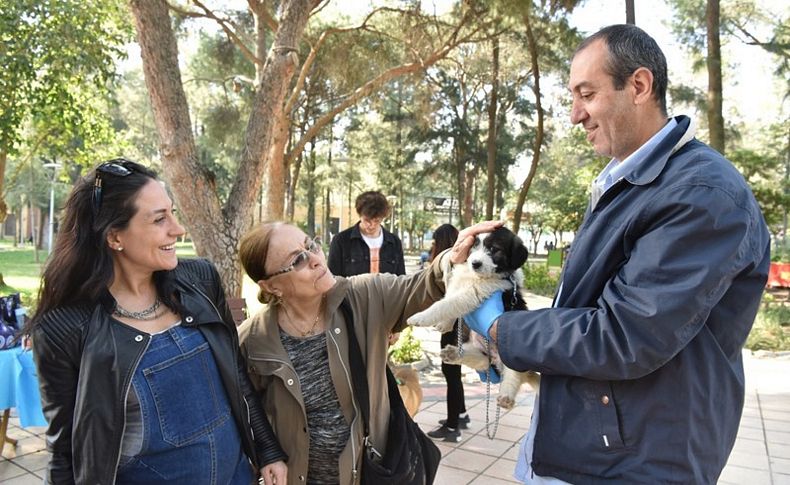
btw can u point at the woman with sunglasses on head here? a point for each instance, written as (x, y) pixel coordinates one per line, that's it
(138, 361)
(297, 347)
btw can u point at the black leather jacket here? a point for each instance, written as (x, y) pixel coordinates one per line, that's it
(349, 255)
(86, 362)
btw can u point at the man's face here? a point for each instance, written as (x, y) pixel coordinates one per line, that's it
(370, 226)
(608, 115)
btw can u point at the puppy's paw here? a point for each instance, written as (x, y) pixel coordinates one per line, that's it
(505, 402)
(450, 355)
(444, 327)
(419, 320)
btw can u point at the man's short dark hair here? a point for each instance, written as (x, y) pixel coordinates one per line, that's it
(372, 204)
(629, 49)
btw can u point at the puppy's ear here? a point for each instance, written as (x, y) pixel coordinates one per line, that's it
(518, 252)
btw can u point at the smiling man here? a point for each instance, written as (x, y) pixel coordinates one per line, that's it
(640, 355)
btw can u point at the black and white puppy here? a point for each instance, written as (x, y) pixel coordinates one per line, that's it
(494, 263)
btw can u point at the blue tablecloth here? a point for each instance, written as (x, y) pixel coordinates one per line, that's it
(19, 386)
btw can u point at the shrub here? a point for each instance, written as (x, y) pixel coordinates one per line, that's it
(771, 329)
(407, 349)
(539, 280)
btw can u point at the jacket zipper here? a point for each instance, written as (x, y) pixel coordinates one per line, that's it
(354, 471)
(125, 399)
(234, 338)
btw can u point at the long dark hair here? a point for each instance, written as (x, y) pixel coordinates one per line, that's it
(443, 237)
(80, 268)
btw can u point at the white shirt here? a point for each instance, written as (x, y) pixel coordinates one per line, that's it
(374, 242)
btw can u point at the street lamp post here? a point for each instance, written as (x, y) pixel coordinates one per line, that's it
(54, 166)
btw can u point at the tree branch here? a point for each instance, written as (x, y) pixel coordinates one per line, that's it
(207, 13)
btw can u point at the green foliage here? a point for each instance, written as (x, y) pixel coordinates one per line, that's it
(56, 56)
(20, 273)
(780, 252)
(560, 192)
(539, 280)
(407, 349)
(771, 329)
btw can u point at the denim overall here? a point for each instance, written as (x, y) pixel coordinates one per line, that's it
(189, 435)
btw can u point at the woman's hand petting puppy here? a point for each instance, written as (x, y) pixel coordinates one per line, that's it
(466, 238)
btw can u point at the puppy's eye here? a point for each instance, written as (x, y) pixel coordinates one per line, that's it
(476, 243)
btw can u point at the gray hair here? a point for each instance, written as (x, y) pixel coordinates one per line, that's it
(629, 49)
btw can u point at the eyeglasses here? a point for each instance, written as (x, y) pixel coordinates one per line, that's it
(301, 259)
(114, 167)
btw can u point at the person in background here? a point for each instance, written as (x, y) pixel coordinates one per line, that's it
(457, 419)
(640, 355)
(141, 375)
(297, 347)
(366, 247)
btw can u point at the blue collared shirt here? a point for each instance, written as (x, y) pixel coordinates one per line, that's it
(616, 169)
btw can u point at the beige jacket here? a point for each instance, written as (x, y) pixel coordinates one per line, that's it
(381, 303)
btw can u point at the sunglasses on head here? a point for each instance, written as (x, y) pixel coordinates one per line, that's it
(301, 259)
(116, 167)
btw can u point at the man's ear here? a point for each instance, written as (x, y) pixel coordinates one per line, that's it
(642, 83)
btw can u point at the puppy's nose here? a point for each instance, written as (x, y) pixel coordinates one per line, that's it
(476, 264)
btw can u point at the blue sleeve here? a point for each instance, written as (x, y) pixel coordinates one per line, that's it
(683, 258)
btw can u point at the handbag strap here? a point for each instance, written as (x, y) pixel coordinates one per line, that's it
(359, 378)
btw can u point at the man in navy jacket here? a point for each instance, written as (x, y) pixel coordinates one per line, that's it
(640, 355)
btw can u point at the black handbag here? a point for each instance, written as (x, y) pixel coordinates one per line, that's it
(411, 458)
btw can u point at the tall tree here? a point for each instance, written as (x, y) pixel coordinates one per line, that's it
(492, 125)
(215, 228)
(715, 117)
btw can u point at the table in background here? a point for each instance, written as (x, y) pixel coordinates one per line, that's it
(19, 389)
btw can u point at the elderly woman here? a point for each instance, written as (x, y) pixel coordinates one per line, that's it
(297, 346)
(142, 381)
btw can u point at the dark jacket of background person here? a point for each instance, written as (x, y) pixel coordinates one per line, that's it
(79, 344)
(349, 255)
(659, 293)
(380, 304)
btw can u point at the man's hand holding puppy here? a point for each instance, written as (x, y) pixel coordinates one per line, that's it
(483, 319)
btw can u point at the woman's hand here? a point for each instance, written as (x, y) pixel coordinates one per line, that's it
(275, 473)
(466, 238)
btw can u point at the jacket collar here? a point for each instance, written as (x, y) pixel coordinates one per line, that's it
(264, 327)
(654, 163)
(197, 306)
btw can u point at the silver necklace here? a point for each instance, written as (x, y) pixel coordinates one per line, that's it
(145, 314)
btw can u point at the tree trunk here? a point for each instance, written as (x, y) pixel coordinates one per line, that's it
(468, 199)
(311, 192)
(275, 174)
(216, 230)
(715, 117)
(492, 132)
(630, 14)
(532, 46)
(3, 206)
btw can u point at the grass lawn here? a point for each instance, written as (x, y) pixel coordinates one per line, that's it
(22, 273)
(20, 270)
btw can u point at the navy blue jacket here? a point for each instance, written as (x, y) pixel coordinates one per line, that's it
(642, 373)
(349, 254)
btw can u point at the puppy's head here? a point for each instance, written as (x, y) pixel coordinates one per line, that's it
(500, 251)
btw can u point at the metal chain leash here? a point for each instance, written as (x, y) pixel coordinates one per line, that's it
(490, 434)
